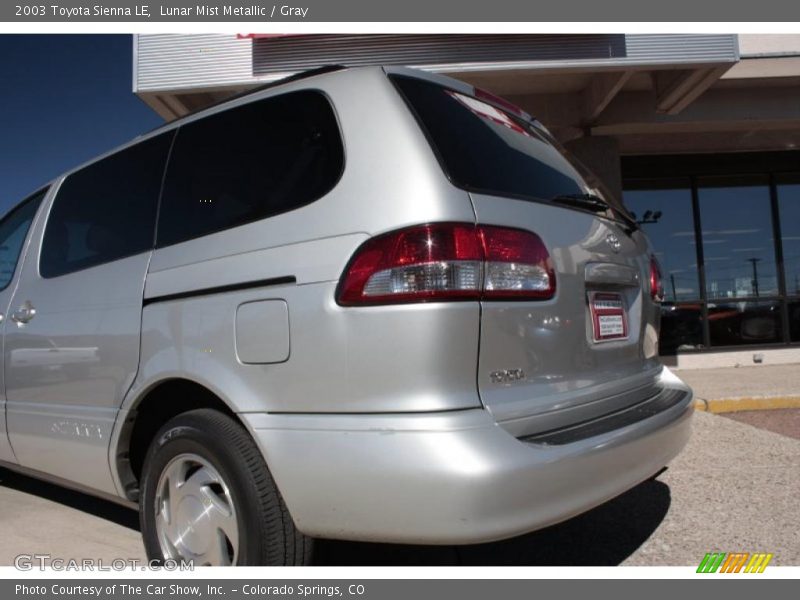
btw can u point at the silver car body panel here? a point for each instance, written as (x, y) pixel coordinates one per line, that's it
(69, 368)
(6, 451)
(377, 422)
(338, 362)
(566, 371)
(338, 354)
(452, 478)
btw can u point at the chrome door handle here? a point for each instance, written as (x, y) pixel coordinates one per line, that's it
(24, 313)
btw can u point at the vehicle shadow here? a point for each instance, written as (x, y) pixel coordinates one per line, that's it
(604, 536)
(97, 507)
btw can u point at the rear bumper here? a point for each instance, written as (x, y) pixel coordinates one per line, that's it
(453, 477)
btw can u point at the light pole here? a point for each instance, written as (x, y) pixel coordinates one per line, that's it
(754, 261)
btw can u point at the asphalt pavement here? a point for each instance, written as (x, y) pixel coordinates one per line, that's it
(734, 488)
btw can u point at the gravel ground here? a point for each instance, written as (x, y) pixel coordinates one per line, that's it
(735, 488)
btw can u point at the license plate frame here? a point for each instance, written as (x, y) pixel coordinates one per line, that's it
(609, 317)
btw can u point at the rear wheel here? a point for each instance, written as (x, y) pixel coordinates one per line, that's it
(208, 497)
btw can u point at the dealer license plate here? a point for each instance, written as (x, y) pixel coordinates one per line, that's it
(609, 317)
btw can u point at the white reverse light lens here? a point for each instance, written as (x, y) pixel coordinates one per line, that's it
(450, 276)
(516, 277)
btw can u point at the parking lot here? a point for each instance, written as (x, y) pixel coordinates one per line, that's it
(735, 488)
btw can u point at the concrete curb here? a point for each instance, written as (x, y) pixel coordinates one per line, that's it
(725, 405)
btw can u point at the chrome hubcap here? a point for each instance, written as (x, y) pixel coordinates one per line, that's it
(195, 514)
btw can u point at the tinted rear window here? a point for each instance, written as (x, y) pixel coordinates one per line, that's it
(249, 163)
(485, 149)
(105, 211)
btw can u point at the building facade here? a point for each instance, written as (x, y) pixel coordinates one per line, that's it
(699, 135)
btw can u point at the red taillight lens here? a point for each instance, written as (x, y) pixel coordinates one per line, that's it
(656, 284)
(418, 263)
(448, 261)
(517, 264)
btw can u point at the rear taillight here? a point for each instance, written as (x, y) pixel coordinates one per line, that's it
(517, 264)
(656, 284)
(448, 261)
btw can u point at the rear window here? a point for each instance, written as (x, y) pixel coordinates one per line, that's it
(248, 163)
(485, 149)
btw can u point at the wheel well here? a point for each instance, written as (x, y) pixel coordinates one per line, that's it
(162, 403)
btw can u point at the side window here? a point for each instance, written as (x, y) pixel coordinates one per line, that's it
(248, 163)
(105, 211)
(13, 230)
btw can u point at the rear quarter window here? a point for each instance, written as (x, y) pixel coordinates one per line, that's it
(485, 149)
(248, 163)
(105, 211)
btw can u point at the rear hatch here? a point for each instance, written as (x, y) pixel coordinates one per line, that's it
(591, 348)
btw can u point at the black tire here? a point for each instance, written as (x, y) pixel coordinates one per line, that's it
(267, 534)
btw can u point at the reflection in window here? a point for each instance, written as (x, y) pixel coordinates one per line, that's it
(744, 322)
(738, 245)
(664, 210)
(794, 320)
(681, 327)
(789, 206)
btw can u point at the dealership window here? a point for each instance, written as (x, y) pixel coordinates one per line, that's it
(794, 319)
(742, 322)
(738, 242)
(663, 208)
(788, 193)
(729, 246)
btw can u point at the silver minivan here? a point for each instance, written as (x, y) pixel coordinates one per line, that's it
(365, 304)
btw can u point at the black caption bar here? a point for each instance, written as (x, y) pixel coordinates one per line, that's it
(402, 11)
(382, 589)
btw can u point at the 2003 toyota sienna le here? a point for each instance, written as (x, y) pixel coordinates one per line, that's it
(366, 304)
